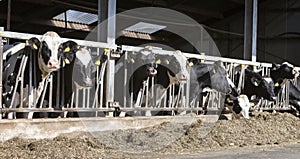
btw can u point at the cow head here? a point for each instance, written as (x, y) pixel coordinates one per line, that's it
(144, 58)
(84, 69)
(258, 85)
(176, 65)
(210, 75)
(34, 43)
(67, 51)
(283, 71)
(219, 80)
(238, 105)
(48, 52)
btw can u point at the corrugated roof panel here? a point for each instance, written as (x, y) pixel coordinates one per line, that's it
(78, 17)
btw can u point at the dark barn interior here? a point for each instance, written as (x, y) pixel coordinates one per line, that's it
(277, 23)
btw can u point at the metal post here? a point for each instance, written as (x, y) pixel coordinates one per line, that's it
(248, 29)
(8, 15)
(1, 65)
(102, 15)
(111, 25)
(111, 28)
(254, 30)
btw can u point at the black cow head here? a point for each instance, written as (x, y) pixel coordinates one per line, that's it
(255, 84)
(67, 51)
(48, 52)
(33, 43)
(144, 58)
(283, 71)
(210, 75)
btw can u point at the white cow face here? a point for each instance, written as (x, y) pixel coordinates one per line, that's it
(48, 52)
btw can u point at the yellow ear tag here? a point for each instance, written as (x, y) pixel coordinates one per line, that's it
(106, 50)
(274, 68)
(191, 64)
(214, 71)
(276, 84)
(255, 83)
(78, 47)
(158, 61)
(67, 61)
(229, 100)
(167, 62)
(27, 41)
(132, 61)
(34, 46)
(67, 49)
(251, 104)
(98, 63)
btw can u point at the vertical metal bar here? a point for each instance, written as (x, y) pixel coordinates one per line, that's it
(1, 66)
(111, 28)
(34, 79)
(58, 88)
(102, 15)
(125, 80)
(153, 92)
(111, 25)
(76, 98)
(110, 78)
(147, 93)
(248, 30)
(8, 15)
(254, 30)
(83, 97)
(50, 91)
(88, 98)
(30, 79)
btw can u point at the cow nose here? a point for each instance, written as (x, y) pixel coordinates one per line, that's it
(53, 64)
(152, 71)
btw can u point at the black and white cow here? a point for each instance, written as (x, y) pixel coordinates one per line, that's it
(78, 73)
(280, 73)
(214, 76)
(255, 84)
(44, 54)
(140, 66)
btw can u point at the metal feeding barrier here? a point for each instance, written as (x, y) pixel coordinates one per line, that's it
(110, 93)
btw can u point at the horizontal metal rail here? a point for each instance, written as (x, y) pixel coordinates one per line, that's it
(26, 36)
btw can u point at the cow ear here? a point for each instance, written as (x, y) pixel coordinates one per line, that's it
(158, 61)
(34, 43)
(255, 81)
(274, 67)
(167, 61)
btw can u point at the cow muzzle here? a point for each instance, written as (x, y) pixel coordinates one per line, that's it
(151, 71)
(53, 65)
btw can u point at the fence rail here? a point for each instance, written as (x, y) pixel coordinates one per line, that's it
(168, 102)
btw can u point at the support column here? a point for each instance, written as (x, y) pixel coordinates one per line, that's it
(1, 66)
(248, 30)
(254, 31)
(111, 36)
